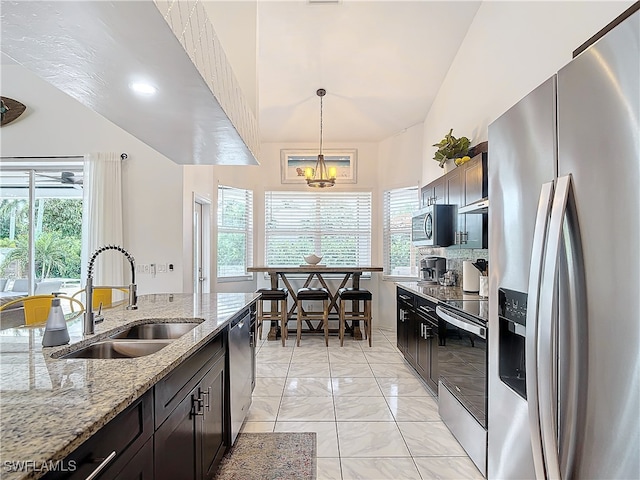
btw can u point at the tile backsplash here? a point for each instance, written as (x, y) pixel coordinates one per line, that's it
(455, 257)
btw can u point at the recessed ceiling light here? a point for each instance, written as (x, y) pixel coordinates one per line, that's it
(143, 88)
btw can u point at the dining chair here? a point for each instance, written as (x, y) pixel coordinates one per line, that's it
(104, 296)
(36, 307)
(355, 295)
(278, 297)
(313, 294)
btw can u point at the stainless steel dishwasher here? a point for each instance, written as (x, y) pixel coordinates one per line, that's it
(240, 371)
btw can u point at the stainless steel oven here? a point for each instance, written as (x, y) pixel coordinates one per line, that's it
(462, 365)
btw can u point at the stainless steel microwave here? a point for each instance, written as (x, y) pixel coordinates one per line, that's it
(434, 226)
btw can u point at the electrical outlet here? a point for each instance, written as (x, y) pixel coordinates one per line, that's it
(140, 268)
(146, 268)
(162, 268)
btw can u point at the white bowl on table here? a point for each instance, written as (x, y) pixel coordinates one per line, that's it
(312, 259)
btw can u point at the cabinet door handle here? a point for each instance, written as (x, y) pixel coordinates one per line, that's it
(428, 333)
(102, 466)
(197, 406)
(208, 395)
(422, 330)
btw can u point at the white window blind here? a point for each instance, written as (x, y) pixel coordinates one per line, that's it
(399, 254)
(235, 232)
(336, 225)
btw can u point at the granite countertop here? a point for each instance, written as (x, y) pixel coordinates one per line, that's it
(49, 406)
(437, 293)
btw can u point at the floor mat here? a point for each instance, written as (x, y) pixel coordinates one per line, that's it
(258, 456)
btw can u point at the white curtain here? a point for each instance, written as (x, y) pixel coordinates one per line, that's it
(102, 217)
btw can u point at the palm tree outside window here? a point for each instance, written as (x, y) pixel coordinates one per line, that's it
(47, 224)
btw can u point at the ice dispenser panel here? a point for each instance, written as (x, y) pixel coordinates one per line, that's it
(512, 314)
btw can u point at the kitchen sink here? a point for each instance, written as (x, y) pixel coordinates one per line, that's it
(107, 349)
(156, 331)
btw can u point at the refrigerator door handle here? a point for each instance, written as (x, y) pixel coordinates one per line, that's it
(531, 342)
(563, 239)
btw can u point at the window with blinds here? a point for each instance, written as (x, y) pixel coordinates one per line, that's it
(235, 232)
(400, 256)
(336, 225)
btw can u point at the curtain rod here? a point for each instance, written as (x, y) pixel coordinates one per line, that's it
(123, 156)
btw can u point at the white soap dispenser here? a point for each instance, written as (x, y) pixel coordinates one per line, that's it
(55, 332)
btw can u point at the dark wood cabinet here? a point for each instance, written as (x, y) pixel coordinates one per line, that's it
(434, 193)
(467, 184)
(404, 308)
(175, 443)
(112, 451)
(427, 342)
(475, 188)
(140, 467)
(408, 335)
(210, 433)
(187, 411)
(178, 429)
(455, 196)
(461, 186)
(190, 441)
(418, 336)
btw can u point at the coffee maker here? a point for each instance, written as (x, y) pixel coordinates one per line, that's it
(431, 269)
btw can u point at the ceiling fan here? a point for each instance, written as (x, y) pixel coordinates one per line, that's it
(68, 178)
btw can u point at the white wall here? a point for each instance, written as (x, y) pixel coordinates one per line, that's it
(55, 124)
(511, 48)
(400, 165)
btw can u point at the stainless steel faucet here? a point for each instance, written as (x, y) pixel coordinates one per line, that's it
(90, 318)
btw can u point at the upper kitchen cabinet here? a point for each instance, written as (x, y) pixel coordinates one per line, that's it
(188, 104)
(434, 193)
(462, 186)
(472, 227)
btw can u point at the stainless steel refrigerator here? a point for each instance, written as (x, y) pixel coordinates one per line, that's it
(564, 243)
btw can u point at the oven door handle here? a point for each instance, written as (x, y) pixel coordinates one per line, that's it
(453, 319)
(426, 310)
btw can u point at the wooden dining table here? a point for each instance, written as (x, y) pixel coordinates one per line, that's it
(315, 272)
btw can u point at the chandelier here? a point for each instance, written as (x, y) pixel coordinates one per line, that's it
(321, 176)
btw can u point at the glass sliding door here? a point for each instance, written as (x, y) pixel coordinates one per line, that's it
(40, 227)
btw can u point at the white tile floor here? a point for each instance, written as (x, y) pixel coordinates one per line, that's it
(373, 416)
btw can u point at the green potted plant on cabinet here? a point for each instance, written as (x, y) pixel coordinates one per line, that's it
(452, 148)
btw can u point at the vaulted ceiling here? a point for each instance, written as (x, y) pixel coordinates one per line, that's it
(381, 62)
